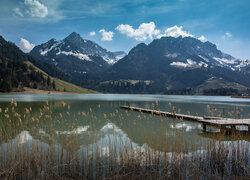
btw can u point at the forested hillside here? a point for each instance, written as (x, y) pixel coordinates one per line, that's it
(15, 74)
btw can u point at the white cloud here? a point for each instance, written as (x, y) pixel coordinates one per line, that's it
(18, 12)
(106, 35)
(25, 45)
(175, 31)
(226, 35)
(36, 9)
(202, 38)
(92, 33)
(145, 31)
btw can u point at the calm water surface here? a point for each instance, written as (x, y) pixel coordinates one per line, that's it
(88, 120)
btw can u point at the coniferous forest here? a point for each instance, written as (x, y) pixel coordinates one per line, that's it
(15, 73)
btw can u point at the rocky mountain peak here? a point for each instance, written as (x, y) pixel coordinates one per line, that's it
(73, 36)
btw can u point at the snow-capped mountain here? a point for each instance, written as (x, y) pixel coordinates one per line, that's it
(76, 55)
(224, 61)
(165, 64)
(75, 45)
(176, 63)
(191, 53)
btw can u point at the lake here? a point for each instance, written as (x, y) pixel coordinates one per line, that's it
(94, 123)
(92, 117)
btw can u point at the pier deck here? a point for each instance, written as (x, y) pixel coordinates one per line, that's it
(222, 123)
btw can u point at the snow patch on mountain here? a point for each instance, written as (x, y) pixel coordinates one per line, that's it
(45, 51)
(171, 55)
(189, 64)
(203, 64)
(204, 58)
(109, 60)
(234, 64)
(75, 54)
(243, 63)
(80, 72)
(115, 59)
(224, 60)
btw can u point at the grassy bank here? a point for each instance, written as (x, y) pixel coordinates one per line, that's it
(61, 86)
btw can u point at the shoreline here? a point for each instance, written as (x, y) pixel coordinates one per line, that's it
(43, 92)
(240, 96)
(37, 91)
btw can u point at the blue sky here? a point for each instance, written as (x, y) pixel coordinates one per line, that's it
(121, 24)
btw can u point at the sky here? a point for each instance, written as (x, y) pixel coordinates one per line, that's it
(119, 25)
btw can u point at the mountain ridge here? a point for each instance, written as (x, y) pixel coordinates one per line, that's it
(168, 63)
(74, 42)
(178, 63)
(75, 56)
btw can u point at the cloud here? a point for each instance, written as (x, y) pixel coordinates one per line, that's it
(92, 33)
(175, 31)
(36, 9)
(145, 31)
(25, 45)
(226, 35)
(18, 12)
(39, 10)
(202, 38)
(106, 35)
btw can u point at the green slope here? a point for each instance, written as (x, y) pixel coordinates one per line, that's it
(63, 85)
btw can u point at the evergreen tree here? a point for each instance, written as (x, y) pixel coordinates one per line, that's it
(35, 86)
(54, 84)
(48, 81)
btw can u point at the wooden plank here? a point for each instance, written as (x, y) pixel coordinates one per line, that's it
(157, 112)
(213, 121)
(245, 122)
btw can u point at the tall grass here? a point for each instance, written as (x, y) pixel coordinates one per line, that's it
(51, 154)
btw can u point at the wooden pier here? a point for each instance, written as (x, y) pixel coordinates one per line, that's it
(219, 122)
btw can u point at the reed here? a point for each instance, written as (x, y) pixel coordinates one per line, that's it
(61, 155)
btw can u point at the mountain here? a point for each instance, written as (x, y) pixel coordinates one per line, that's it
(182, 65)
(176, 63)
(18, 72)
(246, 68)
(76, 56)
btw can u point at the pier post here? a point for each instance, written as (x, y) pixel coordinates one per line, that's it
(233, 128)
(223, 129)
(204, 127)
